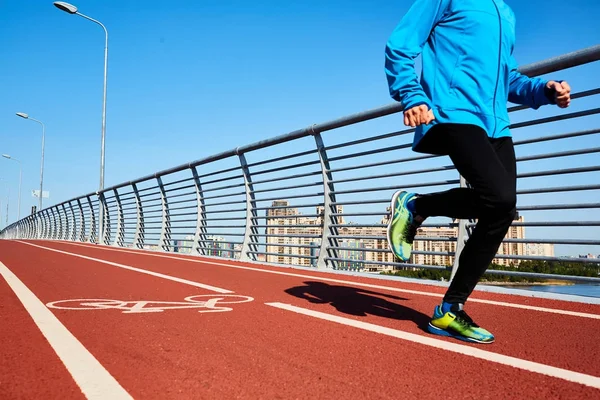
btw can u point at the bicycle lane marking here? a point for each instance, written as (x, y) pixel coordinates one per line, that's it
(202, 303)
(92, 378)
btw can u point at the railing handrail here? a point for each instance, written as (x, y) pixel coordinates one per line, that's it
(572, 59)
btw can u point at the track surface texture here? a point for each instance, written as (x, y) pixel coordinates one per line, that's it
(169, 326)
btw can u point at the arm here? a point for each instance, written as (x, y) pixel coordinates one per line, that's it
(533, 92)
(404, 46)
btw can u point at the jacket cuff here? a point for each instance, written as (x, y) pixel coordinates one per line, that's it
(416, 100)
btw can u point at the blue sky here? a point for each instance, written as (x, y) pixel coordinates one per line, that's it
(188, 79)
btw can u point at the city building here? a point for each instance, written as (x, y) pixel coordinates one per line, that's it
(295, 239)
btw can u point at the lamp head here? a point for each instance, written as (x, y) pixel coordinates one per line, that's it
(61, 5)
(22, 115)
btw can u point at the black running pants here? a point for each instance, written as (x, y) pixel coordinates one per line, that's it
(489, 166)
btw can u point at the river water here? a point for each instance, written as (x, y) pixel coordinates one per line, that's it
(580, 289)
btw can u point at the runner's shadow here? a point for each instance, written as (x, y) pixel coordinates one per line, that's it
(359, 302)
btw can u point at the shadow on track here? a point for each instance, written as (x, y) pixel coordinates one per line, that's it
(359, 302)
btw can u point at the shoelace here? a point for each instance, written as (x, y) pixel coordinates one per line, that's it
(464, 318)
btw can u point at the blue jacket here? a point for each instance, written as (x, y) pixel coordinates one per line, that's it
(469, 72)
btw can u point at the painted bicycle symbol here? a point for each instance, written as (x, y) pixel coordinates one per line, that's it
(204, 302)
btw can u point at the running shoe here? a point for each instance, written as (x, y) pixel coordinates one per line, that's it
(457, 324)
(403, 225)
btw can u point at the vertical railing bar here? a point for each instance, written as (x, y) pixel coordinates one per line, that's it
(165, 231)
(200, 244)
(138, 237)
(250, 242)
(81, 222)
(120, 234)
(67, 225)
(55, 225)
(93, 236)
(329, 233)
(75, 224)
(105, 230)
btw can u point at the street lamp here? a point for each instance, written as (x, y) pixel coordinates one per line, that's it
(20, 180)
(23, 115)
(71, 9)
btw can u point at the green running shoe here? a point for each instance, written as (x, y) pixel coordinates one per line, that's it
(403, 225)
(457, 324)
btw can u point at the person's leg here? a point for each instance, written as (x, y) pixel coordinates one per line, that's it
(496, 182)
(491, 172)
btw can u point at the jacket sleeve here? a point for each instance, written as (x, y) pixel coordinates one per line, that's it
(405, 45)
(531, 92)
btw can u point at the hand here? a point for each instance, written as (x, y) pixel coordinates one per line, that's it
(418, 115)
(562, 93)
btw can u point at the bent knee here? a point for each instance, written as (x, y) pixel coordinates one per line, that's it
(505, 202)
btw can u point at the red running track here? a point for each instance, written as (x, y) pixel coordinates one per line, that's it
(303, 335)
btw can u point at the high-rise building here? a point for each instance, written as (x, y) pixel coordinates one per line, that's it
(295, 239)
(539, 249)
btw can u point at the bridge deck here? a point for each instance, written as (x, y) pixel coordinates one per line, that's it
(275, 333)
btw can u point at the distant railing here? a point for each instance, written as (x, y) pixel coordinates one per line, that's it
(293, 199)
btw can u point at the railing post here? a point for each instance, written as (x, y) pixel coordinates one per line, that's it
(36, 226)
(56, 227)
(93, 237)
(29, 227)
(199, 245)
(138, 237)
(41, 224)
(47, 224)
(329, 233)
(250, 240)
(463, 235)
(67, 229)
(120, 235)
(81, 223)
(105, 232)
(73, 236)
(165, 231)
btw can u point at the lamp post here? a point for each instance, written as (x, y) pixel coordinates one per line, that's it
(20, 181)
(71, 9)
(23, 115)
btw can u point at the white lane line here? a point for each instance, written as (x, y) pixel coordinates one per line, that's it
(92, 378)
(323, 279)
(143, 271)
(544, 369)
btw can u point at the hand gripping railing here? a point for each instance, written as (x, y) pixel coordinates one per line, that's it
(295, 199)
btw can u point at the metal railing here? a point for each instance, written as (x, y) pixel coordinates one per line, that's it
(295, 199)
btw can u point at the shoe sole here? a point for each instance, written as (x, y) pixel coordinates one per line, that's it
(442, 332)
(389, 227)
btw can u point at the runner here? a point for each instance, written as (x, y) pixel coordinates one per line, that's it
(459, 109)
